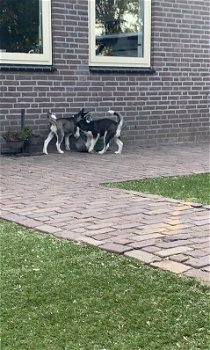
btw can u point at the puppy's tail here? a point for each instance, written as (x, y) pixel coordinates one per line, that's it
(119, 121)
(52, 118)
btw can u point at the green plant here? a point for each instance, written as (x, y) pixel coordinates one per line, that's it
(192, 188)
(18, 135)
(59, 295)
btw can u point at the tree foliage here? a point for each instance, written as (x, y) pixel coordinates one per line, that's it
(19, 25)
(110, 15)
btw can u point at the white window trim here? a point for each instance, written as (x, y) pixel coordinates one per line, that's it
(44, 58)
(107, 61)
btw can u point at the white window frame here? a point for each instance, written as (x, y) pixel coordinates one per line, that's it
(44, 58)
(110, 61)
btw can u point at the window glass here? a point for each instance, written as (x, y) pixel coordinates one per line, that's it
(120, 33)
(25, 32)
(119, 28)
(21, 26)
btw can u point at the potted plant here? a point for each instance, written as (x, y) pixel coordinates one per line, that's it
(16, 139)
(33, 139)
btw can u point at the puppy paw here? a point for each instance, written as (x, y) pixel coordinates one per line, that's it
(101, 152)
(117, 152)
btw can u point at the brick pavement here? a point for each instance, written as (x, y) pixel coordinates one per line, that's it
(63, 195)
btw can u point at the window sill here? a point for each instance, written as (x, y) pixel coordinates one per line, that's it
(26, 68)
(95, 69)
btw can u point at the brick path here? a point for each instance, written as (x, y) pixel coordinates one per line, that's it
(63, 195)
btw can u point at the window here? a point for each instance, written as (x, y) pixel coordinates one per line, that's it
(25, 32)
(120, 33)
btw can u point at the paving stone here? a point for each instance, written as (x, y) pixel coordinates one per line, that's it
(131, 216)
(172, 230)
(101, 231)
(206, 268)
(115, 248)
(178, 237)
(143, 256)
(120, 240)
(158, 211)
(179, 257)
(80, 229)
(39, 216)
(149, 229)
(10, 216)
(173, 244)
(202, 222)
(100, 226)
(150, 249)
(21, 220)
(100, 237)
(202, 246)
(199, 262)
(179, 226)
(126, 225)
(72, 236)
(44, 210)
(201, 240)
(43, 218)
(142, 244)
(48, 228)
(196, 273)
(28, 222)
(198, 253)
(91, 241)
(172, 266)
(172, 251)
(142, 237)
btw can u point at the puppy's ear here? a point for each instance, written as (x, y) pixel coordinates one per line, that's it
(85, 113)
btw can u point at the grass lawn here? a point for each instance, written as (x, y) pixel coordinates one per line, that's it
(192, 188)
(58, 295)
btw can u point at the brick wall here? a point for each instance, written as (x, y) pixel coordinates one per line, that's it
(171, 105)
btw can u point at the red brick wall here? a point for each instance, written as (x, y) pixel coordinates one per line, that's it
(170, 105)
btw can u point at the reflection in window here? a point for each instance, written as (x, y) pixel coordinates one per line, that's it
(21, 26)
(119, 28)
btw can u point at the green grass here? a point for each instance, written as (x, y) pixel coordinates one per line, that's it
(192, 188)
(58, 295)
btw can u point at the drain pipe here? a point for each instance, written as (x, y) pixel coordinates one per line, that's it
(22, 119)
(22, 125)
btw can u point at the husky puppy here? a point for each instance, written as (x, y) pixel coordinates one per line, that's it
(105, 128)
(61, 127)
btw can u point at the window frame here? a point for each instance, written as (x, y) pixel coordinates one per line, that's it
(45, 58)
(120, 62)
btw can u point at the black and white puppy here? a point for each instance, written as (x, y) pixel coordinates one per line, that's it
(105, 128)
(61, 127)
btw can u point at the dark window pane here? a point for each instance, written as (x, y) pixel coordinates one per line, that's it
(119, 28)
(21, 26)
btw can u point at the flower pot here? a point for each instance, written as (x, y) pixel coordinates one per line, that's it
(33, 139)
(16, 145)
